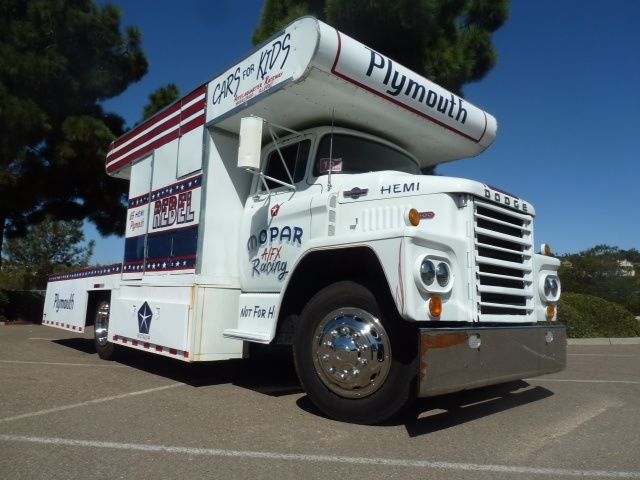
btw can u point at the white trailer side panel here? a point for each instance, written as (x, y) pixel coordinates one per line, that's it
(65, 304)
(153, 318)
(216, 311)
(226, 190)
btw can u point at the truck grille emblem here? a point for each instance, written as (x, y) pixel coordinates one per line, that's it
(356, 193)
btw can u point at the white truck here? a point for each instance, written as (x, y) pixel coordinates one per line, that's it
(283, 202)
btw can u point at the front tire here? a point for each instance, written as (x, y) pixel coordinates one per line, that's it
(106, 349)
(354, 358)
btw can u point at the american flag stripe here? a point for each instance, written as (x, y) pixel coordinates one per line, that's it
(168, 351)
(64, 326)
(192, 124)
(139, 152)
(194, 97)
(177, 120)
(145, 127)
(142, 141)
(88, 272)
(192, 107)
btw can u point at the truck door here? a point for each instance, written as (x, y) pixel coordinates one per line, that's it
(277, 219)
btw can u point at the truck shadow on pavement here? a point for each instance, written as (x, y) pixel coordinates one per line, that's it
(429, 415)
(432, 414)
(270, 371)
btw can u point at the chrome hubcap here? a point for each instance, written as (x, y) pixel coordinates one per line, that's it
(352, 353)
(102, 324)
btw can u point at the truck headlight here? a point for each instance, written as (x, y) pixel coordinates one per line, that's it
(442, 274)
(433, 274)
(427, 272)
(551, 288)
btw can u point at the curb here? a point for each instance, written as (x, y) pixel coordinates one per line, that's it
(17, 323)
(604, 341)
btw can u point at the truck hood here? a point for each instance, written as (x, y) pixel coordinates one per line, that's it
(365, 187)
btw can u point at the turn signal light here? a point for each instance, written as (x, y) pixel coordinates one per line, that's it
(546, 250)
(551, 312)
(435, 306)
(414, 217)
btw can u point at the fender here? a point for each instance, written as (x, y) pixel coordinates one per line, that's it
(388, 254)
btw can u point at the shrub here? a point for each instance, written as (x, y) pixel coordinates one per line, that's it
(588, 316)
(21, 305)
(4, 301)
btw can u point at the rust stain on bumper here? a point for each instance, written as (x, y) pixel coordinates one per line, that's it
(444, 340)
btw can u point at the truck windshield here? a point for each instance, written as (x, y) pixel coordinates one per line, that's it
(352, 154)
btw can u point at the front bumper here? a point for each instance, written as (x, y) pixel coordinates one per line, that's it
(454, 359)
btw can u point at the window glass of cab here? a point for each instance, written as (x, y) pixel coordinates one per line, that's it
(353, 154)
(295, 157)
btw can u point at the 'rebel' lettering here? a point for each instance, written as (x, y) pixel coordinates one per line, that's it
(175, 209)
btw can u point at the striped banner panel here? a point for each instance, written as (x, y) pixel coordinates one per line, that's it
(171, 123)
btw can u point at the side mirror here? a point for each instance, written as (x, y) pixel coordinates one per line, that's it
(250, 143)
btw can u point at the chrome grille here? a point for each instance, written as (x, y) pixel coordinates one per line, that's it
(503, 263)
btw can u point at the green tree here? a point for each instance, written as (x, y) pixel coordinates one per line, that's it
(59, 59)
(448, 41)
(49, 247)
(159, 99)
(591, 316)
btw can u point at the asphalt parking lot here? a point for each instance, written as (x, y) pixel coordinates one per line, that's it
(66, 414)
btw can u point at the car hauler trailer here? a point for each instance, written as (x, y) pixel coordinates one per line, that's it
(283, 202)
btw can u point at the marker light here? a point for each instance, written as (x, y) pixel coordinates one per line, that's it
(435, 306)
(414, 217)
(545, 249)
(551, 312)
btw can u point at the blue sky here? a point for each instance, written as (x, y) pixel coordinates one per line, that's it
(565, 93)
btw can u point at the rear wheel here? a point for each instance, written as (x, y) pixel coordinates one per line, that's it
(355, 360)
(106, 349)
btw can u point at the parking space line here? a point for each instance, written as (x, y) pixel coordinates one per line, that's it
(22, 362)
(295, 457)
(571, 380)
(89, 402)
(602, 355)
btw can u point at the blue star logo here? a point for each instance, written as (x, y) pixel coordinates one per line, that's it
(144, 318)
